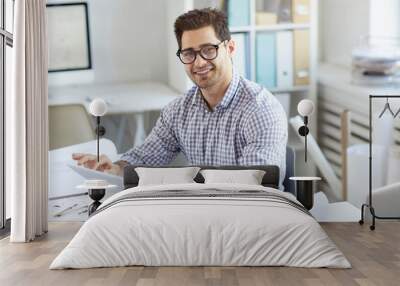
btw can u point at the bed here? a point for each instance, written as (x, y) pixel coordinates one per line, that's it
(201, 224)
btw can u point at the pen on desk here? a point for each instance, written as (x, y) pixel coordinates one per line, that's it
(68, 196)
(60, 213)
(85, 207)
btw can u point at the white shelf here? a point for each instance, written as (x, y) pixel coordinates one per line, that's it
(277, 27)
(339, 77)
(289, 89)
(280, 27)
(242, 29)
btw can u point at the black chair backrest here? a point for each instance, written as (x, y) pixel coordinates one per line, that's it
(289, 185)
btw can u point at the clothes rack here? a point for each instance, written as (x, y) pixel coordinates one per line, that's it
(369, 205)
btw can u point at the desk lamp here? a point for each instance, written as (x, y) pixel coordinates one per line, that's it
(305, 109)
(98, 108)
(304, 185)
(97, 188)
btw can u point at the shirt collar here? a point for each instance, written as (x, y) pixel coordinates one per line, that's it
(229, 94)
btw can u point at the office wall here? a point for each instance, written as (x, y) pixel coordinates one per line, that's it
(341, 23)
(127, 42)
(385, 18)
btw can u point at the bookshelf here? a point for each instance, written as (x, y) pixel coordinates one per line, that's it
(265, 28)
(289, 29)
(281, 27)
(296, 88)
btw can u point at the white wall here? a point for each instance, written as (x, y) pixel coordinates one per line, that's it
(343, 22)
(127, 42)
(385, 18)
(176, 72)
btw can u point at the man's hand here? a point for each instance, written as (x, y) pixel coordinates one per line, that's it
(104, 165)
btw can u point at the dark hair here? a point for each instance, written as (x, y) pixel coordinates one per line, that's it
(200, 18)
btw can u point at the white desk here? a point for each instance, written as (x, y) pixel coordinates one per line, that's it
(63, 181)
(123, 99)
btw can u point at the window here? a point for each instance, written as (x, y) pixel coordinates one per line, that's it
(384, 18)
(6, 43)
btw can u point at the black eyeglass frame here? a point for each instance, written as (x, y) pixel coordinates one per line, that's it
(198, 52)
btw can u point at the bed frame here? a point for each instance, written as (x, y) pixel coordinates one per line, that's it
(270, 179)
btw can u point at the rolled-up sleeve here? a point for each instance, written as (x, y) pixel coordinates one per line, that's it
(265, 134)
(161, 146)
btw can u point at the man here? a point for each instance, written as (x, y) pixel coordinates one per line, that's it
(223, 120)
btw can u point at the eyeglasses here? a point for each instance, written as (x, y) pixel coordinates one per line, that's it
(207, 52)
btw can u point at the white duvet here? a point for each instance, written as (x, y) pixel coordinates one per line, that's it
(200, 231)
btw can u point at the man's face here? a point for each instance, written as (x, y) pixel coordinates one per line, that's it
(206, 73)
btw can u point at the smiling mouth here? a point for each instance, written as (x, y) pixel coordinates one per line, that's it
(203, 71)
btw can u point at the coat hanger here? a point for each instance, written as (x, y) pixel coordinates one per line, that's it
(397, 113)
(387, 107)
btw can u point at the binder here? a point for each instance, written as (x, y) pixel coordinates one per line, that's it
(238, 13)
(301, 41)
(301, 11)
(240, 57)
(266, 59)
(284, 59)
(266, 18)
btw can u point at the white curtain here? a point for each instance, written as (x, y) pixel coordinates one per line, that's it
(27, 127)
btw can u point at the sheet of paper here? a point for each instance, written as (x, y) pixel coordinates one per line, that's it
(97, 175)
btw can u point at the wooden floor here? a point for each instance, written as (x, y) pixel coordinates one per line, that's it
(375, 257)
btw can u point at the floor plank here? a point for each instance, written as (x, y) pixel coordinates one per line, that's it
(374, 255)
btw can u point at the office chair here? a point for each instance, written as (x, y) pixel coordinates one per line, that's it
(69, 125)
(289, 185)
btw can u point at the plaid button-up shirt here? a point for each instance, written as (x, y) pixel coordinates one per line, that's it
(248, 127)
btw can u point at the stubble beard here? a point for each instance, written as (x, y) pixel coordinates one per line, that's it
(207, 80)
